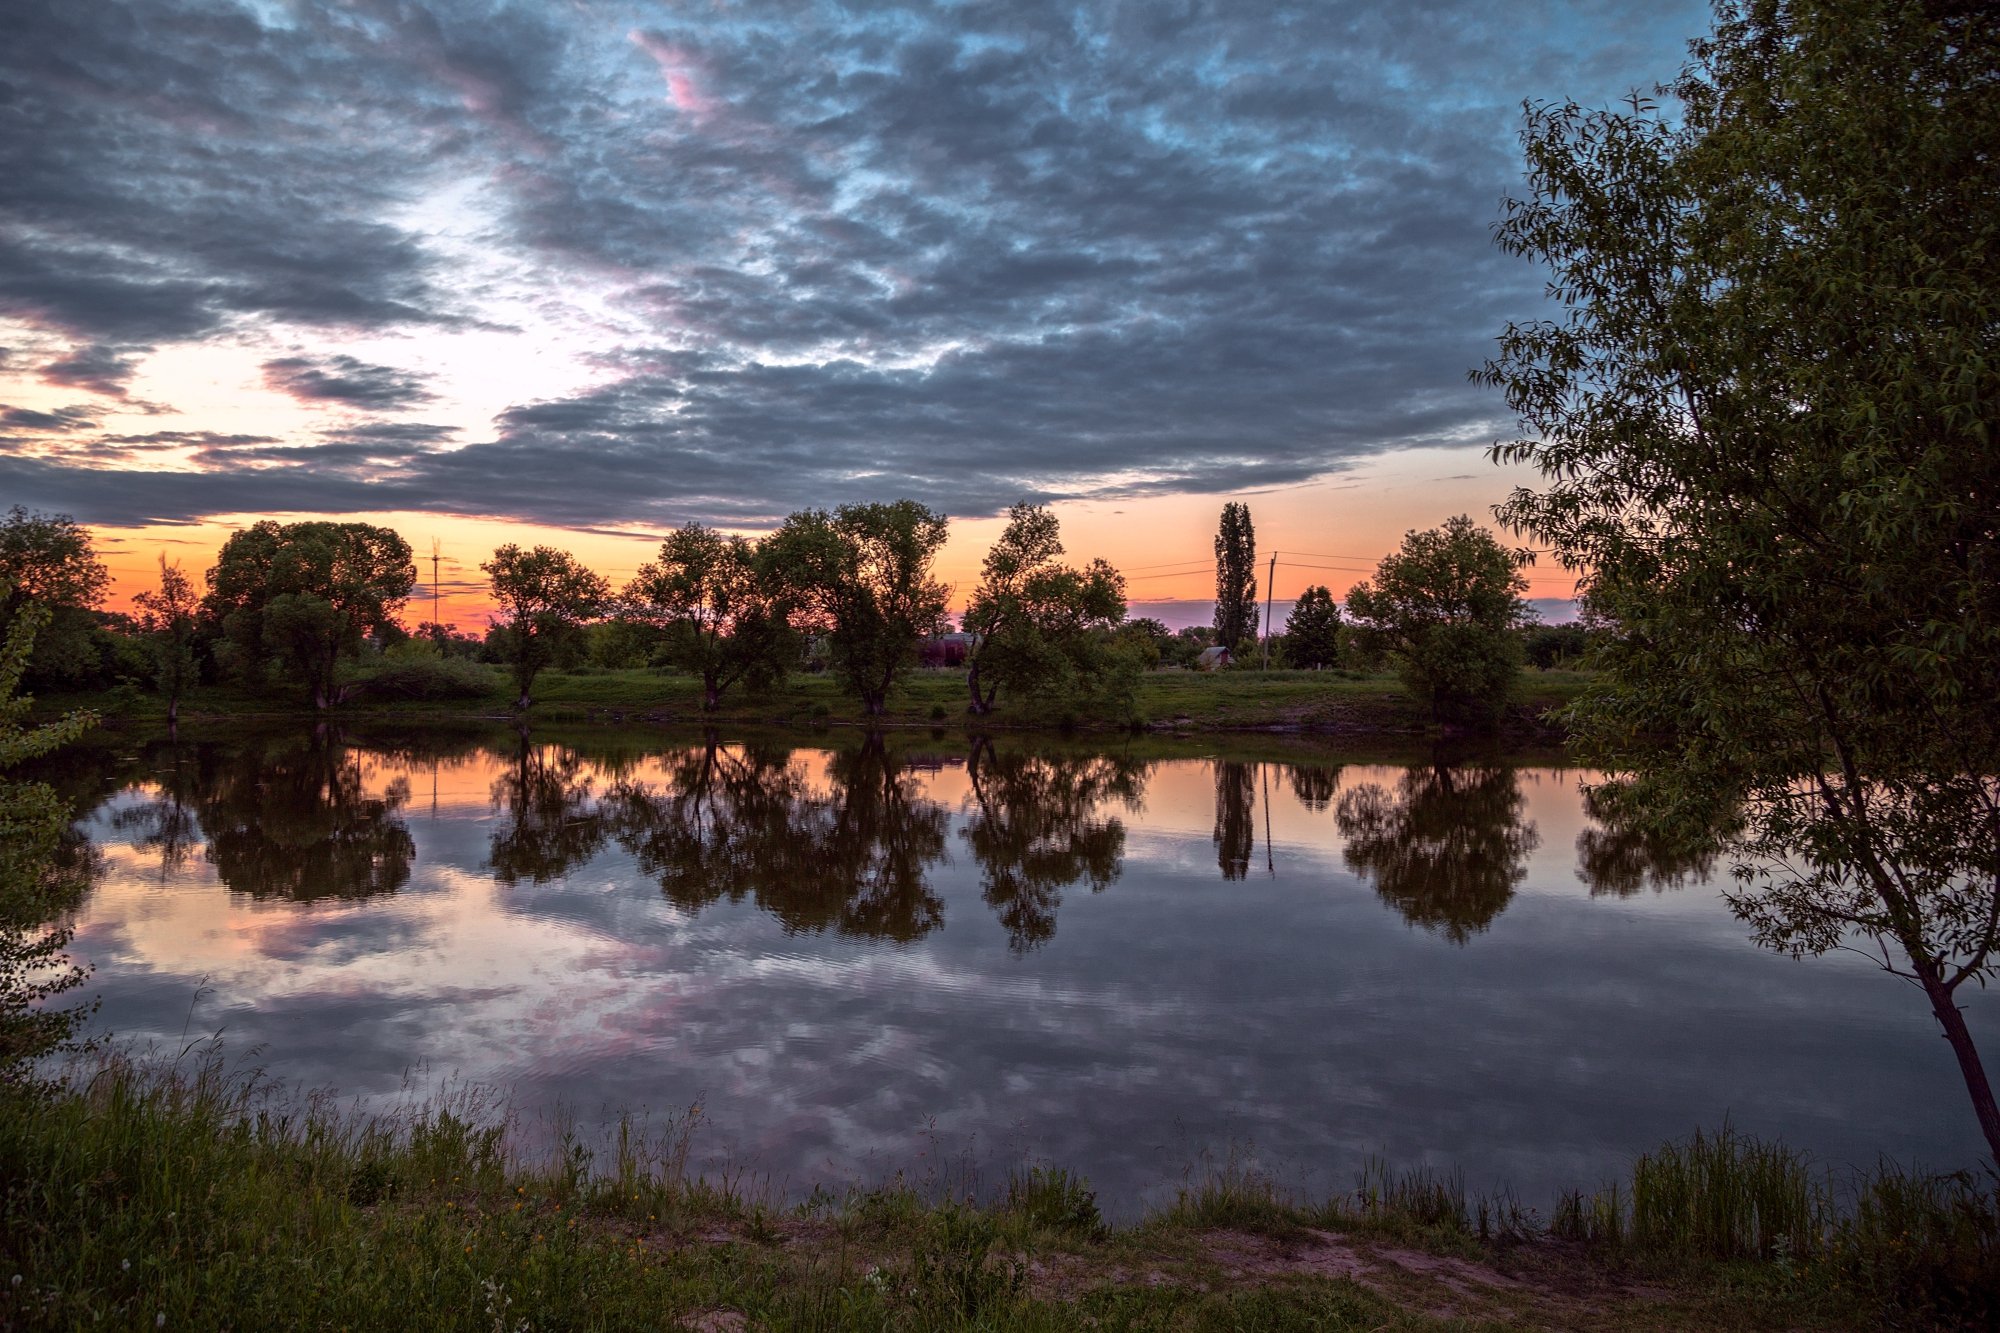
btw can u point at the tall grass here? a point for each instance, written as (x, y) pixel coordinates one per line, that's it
(191, 1195)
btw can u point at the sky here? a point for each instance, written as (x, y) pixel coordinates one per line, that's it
(577, 272)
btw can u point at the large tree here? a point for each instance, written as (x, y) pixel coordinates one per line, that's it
(711, 598)
(1041, 624)
(1769, 420)
(1235, 577)
(301, 596)
(861, 577)
(546, 596)
(1444, 607)
(48, 560)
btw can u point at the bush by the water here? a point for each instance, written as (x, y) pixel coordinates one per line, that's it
(427, 678)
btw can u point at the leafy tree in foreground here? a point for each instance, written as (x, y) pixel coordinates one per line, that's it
(1041, 624)
(167, 619)
(33, 969)
(1444, 608)
(1769, 419)
(1312, 631)
(546, 597)
(301, 596)
(1235, 577)
(48, 560)
(862, 577)
(709, 596)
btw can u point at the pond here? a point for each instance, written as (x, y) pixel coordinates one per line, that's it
(950, 956)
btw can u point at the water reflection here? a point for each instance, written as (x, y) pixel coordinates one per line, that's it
(550, 823)
(1038, 827)
(1618, 856)
(1445, 849)
(1235, 820)
(850, 856)
(293, 819)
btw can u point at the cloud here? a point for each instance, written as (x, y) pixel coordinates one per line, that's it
(804, 253)
(99, 367)
(343, 379)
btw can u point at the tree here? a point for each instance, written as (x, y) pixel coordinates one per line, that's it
(710, 597)
(167, 619)
(1769, 422)
(33, 968)
(48, 560)
(546, 596)
(302, 596)
(1312, 630)
(861, 576)
(1235, 577)
(1444, 607)
(1040, 624)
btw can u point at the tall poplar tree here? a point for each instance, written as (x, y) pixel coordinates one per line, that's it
(1235, 577)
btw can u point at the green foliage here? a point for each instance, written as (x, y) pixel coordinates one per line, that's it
(1549, 646)
(1042, 626)
(546, 597)
(1235, 577)
(409, 676)
(1053, 1199)
(861, 578)
(300, 597)
(1769, 422)
(1312, 631)
(1443, 609)
(714, 603)
(47, 560)
(33, 969)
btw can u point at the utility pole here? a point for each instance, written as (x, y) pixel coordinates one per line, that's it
(1270, 588)
(437, 626)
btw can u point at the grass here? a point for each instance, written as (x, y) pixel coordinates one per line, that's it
(1242, 700)
(185, 1196)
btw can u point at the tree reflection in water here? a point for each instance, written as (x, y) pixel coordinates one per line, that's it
(1235, 817)
(1037, 828)
(165, 822)
(730, 822)
(1445, 850)
(292, 819)
(1620, 857)
(551, 823)
(1314, 784)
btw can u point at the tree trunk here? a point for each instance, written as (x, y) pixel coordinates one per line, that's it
(1952, 1019)
(979, 704)
(711, 693)
(874, 702)
(173, 711)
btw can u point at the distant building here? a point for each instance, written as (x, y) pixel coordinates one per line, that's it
(1213, 659)
(947, 650)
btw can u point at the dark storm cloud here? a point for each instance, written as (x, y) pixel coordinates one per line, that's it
(343, 379)
(1001, 251)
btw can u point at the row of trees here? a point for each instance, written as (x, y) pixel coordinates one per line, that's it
(852, 589)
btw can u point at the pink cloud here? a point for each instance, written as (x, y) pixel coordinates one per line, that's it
(679, 66)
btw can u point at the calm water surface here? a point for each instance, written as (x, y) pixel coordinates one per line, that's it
(873, 957)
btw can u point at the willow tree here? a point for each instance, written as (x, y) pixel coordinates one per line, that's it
(1041, 624)
(546, 597)
(713, 600)
(861, 577)
(1768, 416)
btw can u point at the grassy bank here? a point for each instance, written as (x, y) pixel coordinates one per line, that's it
(1307, 701)
(145, 1200)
